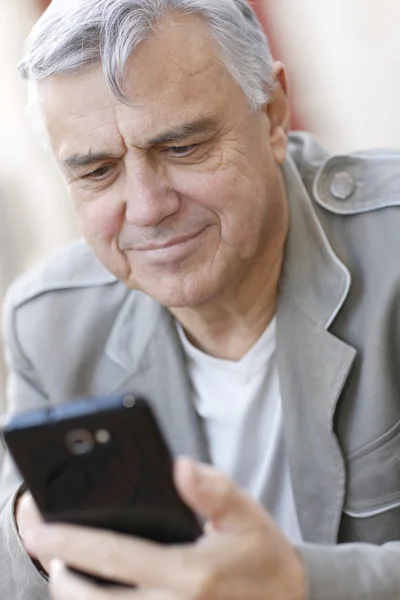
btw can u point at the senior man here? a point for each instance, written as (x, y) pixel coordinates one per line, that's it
(242, 280)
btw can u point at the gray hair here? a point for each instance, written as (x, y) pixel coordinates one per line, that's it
(73, 35)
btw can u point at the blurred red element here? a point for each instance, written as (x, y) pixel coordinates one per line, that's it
(261, 8)
(43, 4)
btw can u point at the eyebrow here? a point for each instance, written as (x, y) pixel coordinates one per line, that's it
(183, 132)
(173, 136)
(77, 161)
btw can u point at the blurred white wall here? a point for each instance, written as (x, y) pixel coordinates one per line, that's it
(35, 214)
(344, 57)
(42, 211)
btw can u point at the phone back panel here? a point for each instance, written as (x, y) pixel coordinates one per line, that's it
(101, 462)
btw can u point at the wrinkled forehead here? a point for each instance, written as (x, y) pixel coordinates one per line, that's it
(176, 74)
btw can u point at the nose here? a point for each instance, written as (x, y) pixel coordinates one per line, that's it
(149, 196)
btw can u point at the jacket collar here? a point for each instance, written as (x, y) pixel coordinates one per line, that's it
(313, 364)
(313, 276)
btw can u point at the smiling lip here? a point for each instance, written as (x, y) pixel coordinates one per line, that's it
(174, 242)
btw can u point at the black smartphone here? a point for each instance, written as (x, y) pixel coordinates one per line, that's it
(102, 462)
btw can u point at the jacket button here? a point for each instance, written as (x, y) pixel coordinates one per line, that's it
(343, 186)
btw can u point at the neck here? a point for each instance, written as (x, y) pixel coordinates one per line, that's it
(228, 326)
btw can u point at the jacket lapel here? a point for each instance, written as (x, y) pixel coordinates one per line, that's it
(148, 360)
(313, 365)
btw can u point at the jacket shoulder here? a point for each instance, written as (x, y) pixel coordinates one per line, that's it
(347, 184)
(73, 266)
(358, 183)
(306, 152)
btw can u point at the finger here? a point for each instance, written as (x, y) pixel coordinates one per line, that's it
(27, 513)
(27, 516)
(102, 553)
(215, 497)
(27, 501)
(116, 557)
(66, 586)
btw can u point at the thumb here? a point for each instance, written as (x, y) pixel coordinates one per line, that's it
(213, 495)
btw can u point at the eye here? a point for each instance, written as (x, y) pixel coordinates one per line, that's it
(181, 150)
(99, 174)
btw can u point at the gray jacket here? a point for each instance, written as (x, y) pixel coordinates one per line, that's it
(72, 329)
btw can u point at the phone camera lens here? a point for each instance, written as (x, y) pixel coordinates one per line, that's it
(129, 401)
(79, 441)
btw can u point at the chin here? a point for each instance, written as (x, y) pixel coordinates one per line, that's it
(178, 292)
(176, 299)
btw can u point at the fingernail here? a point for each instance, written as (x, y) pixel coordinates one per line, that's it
(56, 567)
(208, 528)
(188, 469)
(203, 470)
(205, 477)
(186, 462)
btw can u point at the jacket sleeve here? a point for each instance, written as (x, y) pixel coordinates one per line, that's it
(19, 579)
(352, 571)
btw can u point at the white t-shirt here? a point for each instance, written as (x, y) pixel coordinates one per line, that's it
(240, 404)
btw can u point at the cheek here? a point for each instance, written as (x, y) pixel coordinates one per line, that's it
(235, 193)
(100, 218)
(100, 222)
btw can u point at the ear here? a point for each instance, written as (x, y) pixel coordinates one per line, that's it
(278, 112)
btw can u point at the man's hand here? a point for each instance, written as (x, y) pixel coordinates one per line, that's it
(242, 555)
(28, 517)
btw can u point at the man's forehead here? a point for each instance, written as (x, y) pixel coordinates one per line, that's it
(170, 79)
(69, 98)
(108, 125)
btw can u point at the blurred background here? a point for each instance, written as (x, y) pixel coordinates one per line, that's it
(343, 57)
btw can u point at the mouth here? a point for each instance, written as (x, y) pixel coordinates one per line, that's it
(177, 241)
(173, 251)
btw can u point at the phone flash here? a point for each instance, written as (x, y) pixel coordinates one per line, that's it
(102, 436)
